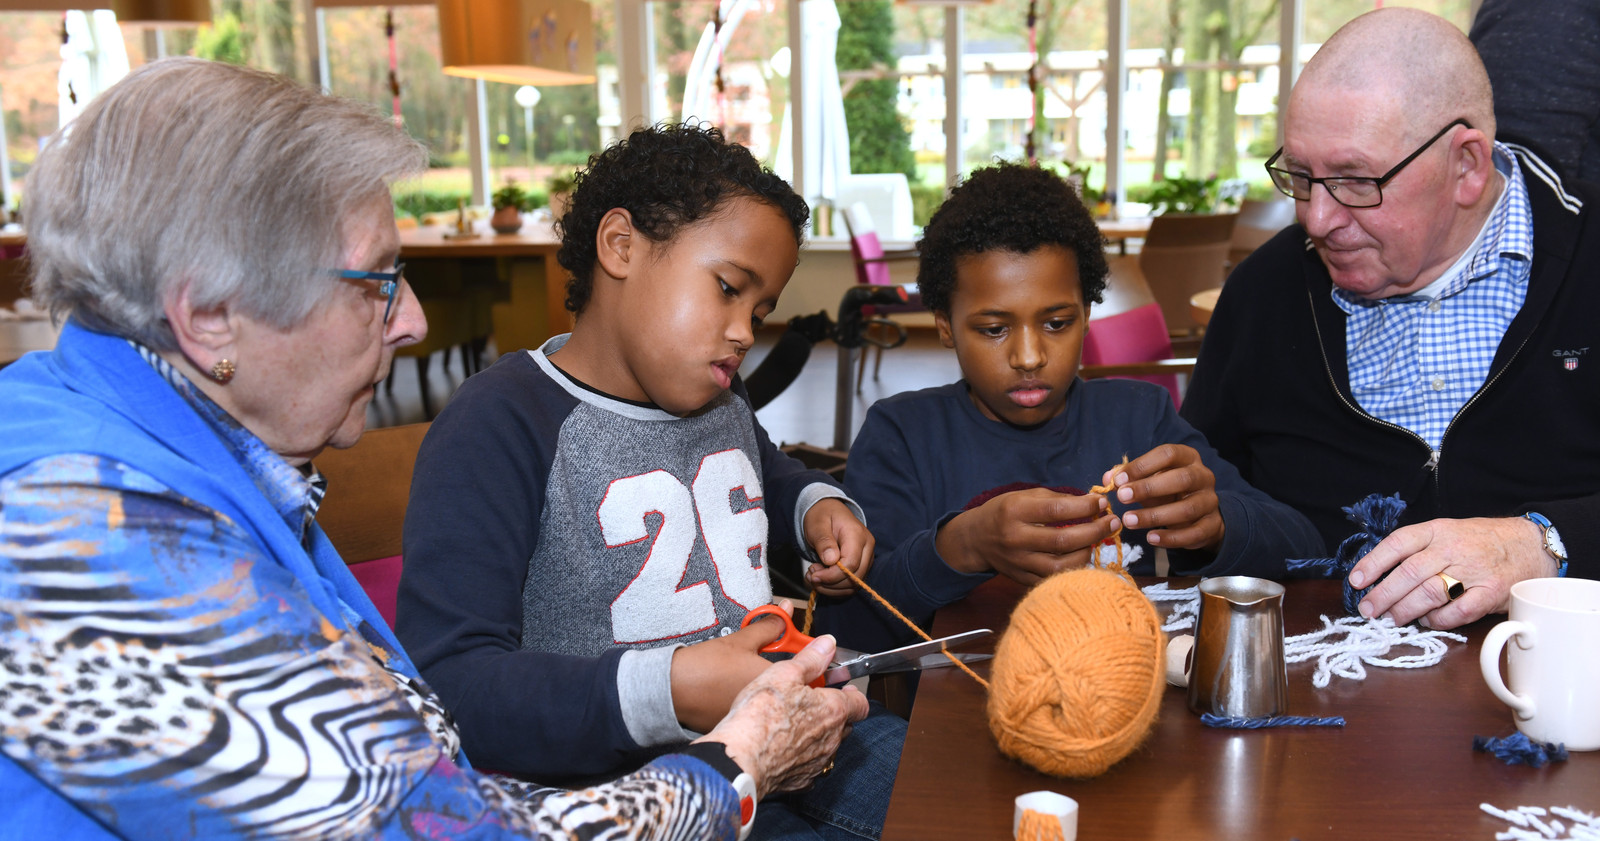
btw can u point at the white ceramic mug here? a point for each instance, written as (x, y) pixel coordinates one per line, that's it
(1551, 640)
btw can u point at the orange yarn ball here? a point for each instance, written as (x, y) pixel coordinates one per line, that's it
(1078, 676)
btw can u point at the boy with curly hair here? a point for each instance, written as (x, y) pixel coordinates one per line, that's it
(589, 520)
(985, 476)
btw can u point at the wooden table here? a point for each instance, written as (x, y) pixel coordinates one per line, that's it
(20, 337)
(1127, 228)
(1120, 231)
(542, 292)
(1403, 767)
(1202, 303)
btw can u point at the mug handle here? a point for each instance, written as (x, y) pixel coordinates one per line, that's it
(1489, 662)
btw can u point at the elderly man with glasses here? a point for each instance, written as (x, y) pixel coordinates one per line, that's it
(1425, 329)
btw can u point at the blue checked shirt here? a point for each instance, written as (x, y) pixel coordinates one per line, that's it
(1415, 360)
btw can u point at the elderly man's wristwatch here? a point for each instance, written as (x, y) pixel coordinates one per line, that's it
(1552, 541)
(715, 754)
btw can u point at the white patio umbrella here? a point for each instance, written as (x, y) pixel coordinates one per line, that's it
(827, 138)
(700, 88)
(92, 59)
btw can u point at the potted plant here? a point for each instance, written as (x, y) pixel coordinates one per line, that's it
(509, 203)
(1095, 200)
(1184, 195)
(561, 194)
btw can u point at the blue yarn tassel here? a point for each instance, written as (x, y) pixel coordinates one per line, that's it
(1233, 723)
(1518, 748)
(1376, 516)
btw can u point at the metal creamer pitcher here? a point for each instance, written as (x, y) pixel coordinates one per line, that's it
(1238, 666)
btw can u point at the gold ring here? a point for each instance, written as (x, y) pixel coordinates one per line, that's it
(1452, 587)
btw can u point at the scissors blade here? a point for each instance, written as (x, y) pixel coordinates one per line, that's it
(934, 661)
(872, 663)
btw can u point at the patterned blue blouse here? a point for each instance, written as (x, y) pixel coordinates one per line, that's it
(171, 681)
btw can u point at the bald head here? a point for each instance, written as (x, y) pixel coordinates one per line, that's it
(1417, 67)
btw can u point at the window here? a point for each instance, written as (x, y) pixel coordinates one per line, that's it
(736, 80)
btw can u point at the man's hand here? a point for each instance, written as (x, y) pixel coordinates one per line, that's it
(1178, 494)
(708, 675)
(1486, 555)
(1016, 534)
(834, 533)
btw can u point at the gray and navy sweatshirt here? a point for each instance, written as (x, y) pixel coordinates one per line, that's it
(560, 544)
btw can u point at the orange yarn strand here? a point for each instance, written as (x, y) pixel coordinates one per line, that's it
(1116, 536)
(909, 624)
(1038, 826)
(811, 610)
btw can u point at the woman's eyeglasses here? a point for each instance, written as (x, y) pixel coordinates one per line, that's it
(388, 284)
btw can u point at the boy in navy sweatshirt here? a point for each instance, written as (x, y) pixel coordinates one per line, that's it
(987, 475)
(589, 520)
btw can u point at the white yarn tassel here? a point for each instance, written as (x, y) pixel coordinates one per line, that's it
(1364, 642)
(1185, 605)
(1106, 556)
(1527, 825)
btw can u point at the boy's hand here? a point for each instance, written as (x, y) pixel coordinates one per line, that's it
(1015, 534)
(1179, 496)
(834, 533)
(707, 676)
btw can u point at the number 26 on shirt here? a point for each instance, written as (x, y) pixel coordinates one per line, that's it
(652, 607)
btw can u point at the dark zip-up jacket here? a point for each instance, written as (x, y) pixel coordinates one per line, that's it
(1271, 391)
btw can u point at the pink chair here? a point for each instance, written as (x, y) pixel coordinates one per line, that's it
(363, 513)
(1127, 336)
(872, 269)
(380, 578)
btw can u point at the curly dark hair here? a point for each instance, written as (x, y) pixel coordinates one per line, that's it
(1008, 207)
(667, 176)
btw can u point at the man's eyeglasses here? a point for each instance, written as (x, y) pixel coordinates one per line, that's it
(1348, 191)
(388, 284)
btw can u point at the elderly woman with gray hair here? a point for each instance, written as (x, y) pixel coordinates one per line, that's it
(182, 652)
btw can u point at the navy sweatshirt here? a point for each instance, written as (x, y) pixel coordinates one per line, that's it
(923, 455)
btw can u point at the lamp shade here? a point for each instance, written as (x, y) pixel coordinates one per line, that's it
(521, 42)
(161, 12)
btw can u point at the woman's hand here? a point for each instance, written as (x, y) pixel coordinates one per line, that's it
(1178, 494)
(782, 732)
(1019, 535)
(838, 538)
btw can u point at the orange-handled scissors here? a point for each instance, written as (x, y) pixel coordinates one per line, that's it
(848, 665)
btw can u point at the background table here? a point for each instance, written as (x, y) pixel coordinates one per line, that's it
(1202, 303)
(20, 337)
(1120, 231)
(1403, 767)
(536, 307)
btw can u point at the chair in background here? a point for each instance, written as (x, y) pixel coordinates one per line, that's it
(456, 297)
(1127, 336)
(1259, 220)
(13, 280)
(1183, 254)
(872, 268)
(368, 487)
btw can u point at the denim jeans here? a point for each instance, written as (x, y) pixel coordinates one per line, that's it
(850, 802)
